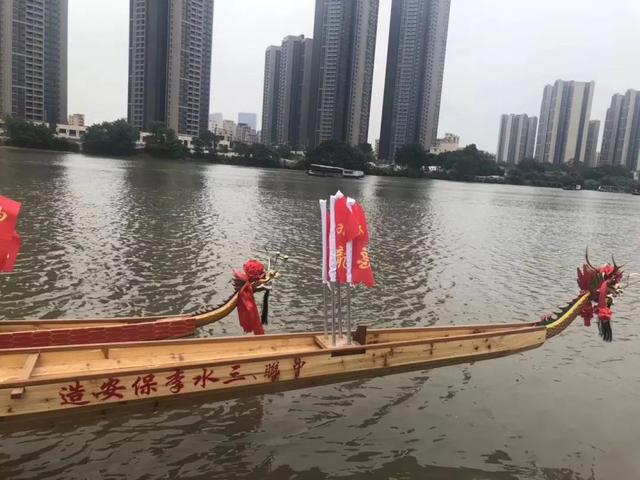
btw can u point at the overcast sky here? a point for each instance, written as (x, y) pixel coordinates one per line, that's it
(500, 54)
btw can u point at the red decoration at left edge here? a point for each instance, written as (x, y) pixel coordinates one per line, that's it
(9, 239)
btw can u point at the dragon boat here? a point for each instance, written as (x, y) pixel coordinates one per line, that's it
(43, 333)
(66, 380)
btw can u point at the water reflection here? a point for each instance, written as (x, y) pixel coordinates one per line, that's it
(106, 237)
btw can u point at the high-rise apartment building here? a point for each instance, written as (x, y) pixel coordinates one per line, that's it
(591, 154)
(415, 69)
(250, 119)
(516, 138)
(33, 59)
(564, 121)
(621, 138)
(286, 92)
(270, 95)
(170, 63)
(344, 41)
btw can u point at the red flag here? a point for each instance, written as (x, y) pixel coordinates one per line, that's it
(9, 210)
(9, 238)
(346, 231)
(9, 249)
(361, 271)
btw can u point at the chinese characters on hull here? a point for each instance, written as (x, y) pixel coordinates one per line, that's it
(113, 388)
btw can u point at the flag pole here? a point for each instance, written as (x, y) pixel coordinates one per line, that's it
(339, 311)
(332, 262)
(349, 314)
(333, 315)
(325, 282)
(326, 317)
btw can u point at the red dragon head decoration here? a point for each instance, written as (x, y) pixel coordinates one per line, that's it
(603, 284)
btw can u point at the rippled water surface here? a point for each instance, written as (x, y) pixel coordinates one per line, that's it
(118, 237)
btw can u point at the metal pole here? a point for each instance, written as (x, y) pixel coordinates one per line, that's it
(339, 312)
(349, 314)
(326, 317)
(333, 315)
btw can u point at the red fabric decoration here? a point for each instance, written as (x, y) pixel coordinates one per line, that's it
(587, 314)
(252, 271)
(603, 311)
(248, 311)
(604, 314)
(9, 239)
(362, 271)
(606, 269)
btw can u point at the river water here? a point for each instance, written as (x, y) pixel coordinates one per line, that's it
(128, 237)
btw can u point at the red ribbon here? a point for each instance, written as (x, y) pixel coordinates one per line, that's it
(587, 314)
(248, 311)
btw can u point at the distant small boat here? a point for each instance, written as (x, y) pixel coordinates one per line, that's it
(635, 192)
(328, 171)
(572, 187)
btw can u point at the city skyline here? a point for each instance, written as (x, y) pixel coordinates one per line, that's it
(471, 103)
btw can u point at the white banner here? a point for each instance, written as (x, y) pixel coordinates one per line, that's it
(323, 214)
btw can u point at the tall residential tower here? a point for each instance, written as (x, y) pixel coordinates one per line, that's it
(170, 63)
(564, 122)
(621, 139)
(33, 59)
(591, 154)
(344, 42)
(415, 68)
(516, 138)
(285, 106)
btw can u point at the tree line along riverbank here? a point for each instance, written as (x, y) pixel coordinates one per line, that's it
(469, 164)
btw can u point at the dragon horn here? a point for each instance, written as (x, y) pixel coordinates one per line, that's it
(615, 265)
(586, 257)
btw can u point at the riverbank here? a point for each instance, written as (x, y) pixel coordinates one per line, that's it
(538, 176)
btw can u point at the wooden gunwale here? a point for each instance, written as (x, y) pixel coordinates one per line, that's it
(354, 350)
(260, 338)
(201, 318)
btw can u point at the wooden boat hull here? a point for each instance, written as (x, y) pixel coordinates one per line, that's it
(48, 381)
(37, 382)
(44, 333)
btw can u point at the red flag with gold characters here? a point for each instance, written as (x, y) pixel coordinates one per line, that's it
(346, 231)
(9, 238)
(361, 271)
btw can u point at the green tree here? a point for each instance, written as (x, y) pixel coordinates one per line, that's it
(336, 154)
(412, 156)
(283, 151)
(111, 138)
(468, 163)
(36, 135)
(164, 143)
(367, 151)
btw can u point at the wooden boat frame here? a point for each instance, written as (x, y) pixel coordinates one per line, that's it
(67, 380)
(44, 333)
